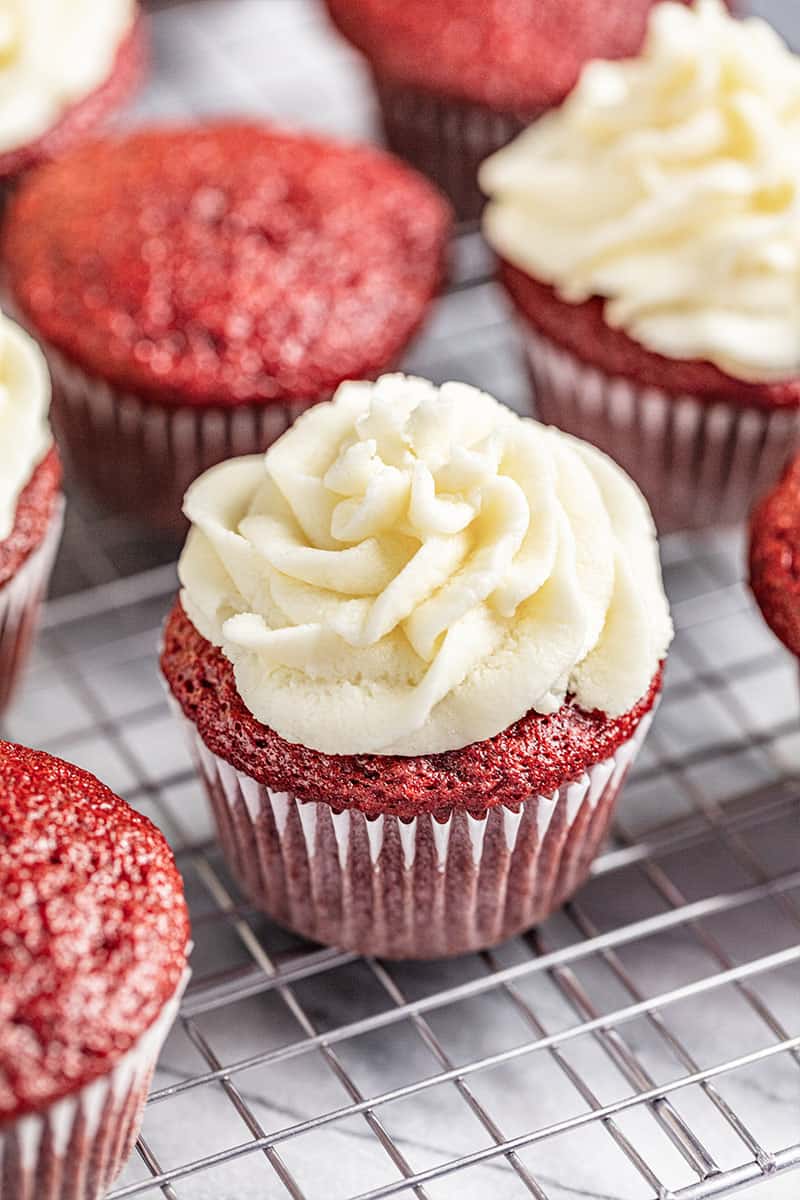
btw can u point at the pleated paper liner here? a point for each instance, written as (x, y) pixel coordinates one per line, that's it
(445, 138)
(20, 604)
(138, 457)
(418, 889)
(699, 463)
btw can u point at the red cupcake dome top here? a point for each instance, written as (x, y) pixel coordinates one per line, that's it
(512, 55)
(226, 264)
(93, 928)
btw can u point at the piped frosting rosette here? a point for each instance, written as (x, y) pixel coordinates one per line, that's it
(411, 569)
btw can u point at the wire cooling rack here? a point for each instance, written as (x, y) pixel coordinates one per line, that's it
(644, 1042)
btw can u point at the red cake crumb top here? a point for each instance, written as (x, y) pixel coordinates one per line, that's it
(582, 329)
(226, 264)
(775, 557)
(536, 755)
(83, 117)
(35, 509)
(93, 928)
(512, 55)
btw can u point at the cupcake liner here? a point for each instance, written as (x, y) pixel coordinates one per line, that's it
(75, 1148)
(445, 138)
(139, 457)
(410, 889)
(699, 463)
(20, 602)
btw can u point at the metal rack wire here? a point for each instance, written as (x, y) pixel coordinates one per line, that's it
(658, 1011)
(645, 1042)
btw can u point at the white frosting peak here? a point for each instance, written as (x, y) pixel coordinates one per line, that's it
(670, 184)
(53, 53)
(24, 404)
(411, 569)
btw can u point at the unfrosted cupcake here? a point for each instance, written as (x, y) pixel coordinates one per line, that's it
(457, 79)
(93, 938)
(196, 288)
(417, 647)
(31, 501)
(64, 68)
(650, 242)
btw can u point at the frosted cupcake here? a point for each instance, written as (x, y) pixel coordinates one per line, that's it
(649, 236)
(65, 66)
(416, 649)
(31, 501)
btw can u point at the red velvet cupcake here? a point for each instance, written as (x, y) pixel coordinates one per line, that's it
(62, 74)
(647, 240)
(775, 557)
(196, 288)
(31, 502)
(93, 938)
(457, 79)
(416, 651)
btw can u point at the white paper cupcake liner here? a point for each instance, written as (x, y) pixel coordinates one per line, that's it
(20, 603)
(445, 138)
(75, 1148)
(418, 889)
(698, 463)
(139, 457)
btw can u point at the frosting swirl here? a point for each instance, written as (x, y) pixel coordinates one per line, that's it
(670, 184)
(53, 53)
(410, 569)
(24, 403)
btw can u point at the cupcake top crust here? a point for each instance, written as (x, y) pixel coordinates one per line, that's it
(512, 55)
(775, 557)
(412, 569)
(669, 186)
(227, 264)
(54, 53)
(25, 435)
(93, 928)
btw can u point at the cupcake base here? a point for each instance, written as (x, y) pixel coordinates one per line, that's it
(699, 463)
(445, 138)
(20, 604)
(418, 889)
(75, 1149)
(138, 457)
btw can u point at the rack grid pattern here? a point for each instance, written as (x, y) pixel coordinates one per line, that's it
(656, 1014)
(643, 1043)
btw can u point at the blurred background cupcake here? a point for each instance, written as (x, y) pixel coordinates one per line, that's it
(649, 240)
(457, 79)
(93, 939)
(417, 648)
(196, 288)
(65, 67)
(775, 557)
(31, 502)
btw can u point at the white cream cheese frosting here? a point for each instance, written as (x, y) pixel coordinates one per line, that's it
(24, 404)
(52, 54)
(410, 569)
(670, 185)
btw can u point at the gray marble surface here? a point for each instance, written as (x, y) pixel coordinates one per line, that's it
(706, 848)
